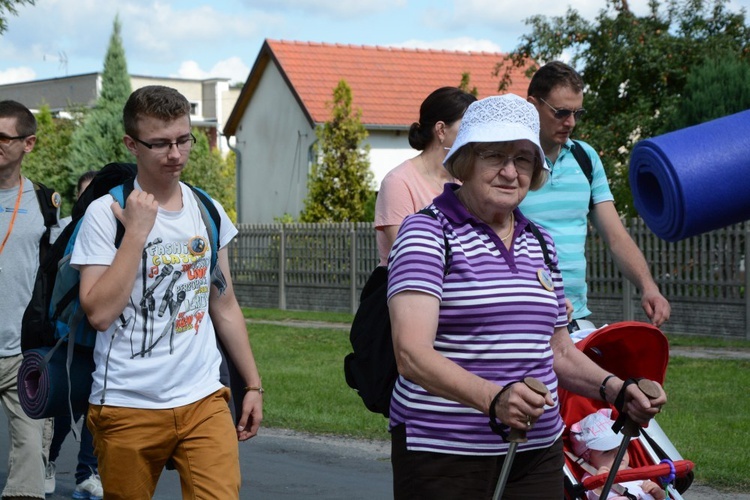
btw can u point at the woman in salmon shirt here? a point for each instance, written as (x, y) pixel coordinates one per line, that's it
(412, 185)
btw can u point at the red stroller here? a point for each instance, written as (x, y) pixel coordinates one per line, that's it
(627, 349)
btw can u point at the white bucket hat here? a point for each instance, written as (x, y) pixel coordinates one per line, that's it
(499, 118)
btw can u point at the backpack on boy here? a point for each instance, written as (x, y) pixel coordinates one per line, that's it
(49, 204)
(55, 380)
(371, 368)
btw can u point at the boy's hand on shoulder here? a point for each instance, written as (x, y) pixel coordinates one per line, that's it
(139, 213)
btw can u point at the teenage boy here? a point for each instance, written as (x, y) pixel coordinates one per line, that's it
(156, 394)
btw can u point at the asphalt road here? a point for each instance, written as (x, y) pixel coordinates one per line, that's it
(276, 465)
(281, 465)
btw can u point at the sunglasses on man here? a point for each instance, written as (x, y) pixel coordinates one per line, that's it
(562, 113)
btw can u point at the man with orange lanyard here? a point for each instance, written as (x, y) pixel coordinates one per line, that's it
(21, 228)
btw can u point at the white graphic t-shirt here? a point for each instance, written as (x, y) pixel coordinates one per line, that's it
(166, 355)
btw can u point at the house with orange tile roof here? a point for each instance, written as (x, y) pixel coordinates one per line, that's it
(289, 93)
(211, 100)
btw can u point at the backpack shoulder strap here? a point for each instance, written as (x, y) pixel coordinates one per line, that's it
(542, 243)
(49, 203)
(120, 194)
(584, 161)
(446, 268)
(211, 219)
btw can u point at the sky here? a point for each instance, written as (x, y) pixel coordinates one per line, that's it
(222, 38)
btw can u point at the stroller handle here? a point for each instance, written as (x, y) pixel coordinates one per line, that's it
(652, 472)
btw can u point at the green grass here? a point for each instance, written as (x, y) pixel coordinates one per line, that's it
(707, 419)
(279, 315)
(302, 368)
(303, 375)
(695, 341)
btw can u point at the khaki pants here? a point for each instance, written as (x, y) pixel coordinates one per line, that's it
(26, 456)
(133, 445)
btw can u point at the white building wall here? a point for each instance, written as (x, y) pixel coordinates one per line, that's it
(274, 139)
(388, 149)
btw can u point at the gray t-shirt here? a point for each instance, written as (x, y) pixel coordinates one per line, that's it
(18, 262)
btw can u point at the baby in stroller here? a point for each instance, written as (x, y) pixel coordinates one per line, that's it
(595, 443)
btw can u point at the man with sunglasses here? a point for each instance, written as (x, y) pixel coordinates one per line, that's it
(22, 227)
(562, 205)
(157, 395)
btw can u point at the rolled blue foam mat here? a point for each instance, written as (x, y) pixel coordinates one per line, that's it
(693, 180)
(43, 382)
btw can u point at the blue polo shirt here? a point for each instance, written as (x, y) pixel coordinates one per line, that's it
(496, 320)
(561, 207)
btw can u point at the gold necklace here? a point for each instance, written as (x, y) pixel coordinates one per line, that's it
(510, 232)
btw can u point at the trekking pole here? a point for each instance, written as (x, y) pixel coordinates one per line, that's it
(630, 429)
(516, 436)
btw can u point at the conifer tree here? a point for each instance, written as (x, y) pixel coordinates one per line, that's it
(98, 140)
(213, 173)
(340, 183)
(716, 88)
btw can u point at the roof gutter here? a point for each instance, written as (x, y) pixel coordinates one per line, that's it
(237, 177)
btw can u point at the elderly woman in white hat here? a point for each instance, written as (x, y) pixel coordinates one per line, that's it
(471, 319)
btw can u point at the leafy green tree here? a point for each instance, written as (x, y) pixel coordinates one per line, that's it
(213, 173)
(44, 163)
(9, 8)
(341, 181)
(635, 68)
(98, 140)
(720, 86)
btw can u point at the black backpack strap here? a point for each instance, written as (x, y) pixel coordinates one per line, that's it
(584, 161)
(49, 204)
(209, 213)
(446, 266)
(542, 243)
(127, 188)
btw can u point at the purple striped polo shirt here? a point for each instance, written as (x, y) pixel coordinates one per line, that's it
(496, 321)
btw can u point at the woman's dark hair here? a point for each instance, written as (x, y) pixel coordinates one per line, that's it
(87, 176)
(447, 105)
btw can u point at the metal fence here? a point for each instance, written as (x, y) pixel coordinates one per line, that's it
(324, 267)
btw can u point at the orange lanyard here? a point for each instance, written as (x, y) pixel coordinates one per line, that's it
(15, 212)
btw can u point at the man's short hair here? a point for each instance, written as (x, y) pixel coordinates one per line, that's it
(155, 101)
(25, 121)
(554, 74)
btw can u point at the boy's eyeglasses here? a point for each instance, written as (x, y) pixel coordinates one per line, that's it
(5, 140)
(562, 113)
(183, 145)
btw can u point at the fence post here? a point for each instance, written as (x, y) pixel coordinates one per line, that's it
(282, 269)
(747, 281)
(627, 287)
(353, 270)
